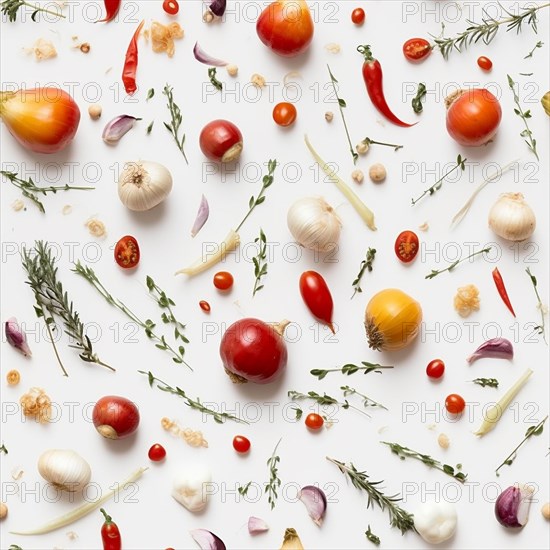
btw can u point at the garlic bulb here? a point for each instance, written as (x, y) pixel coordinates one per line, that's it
(190, 487)
(143, 184)
(65, 469)
(512, 218)
(314, 224)
(435, 522)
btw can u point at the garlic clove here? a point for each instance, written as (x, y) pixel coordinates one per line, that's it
(257, 525)
(207, 540)
(65, 469)
(190, 487)
(16, 336)
(115, 129)
(315, 502)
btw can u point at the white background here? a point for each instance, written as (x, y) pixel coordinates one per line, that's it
(154, 519)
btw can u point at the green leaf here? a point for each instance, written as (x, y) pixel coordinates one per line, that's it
(341, 102)
(150, 283)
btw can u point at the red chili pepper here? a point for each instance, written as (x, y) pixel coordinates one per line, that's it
(111, 9)
(130, 63)
(372, 75)
(497, 277)
(110, 533)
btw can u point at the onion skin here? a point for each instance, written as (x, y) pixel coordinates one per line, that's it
(115, 417)
(43, 120)
(221, 140)
(473, 116)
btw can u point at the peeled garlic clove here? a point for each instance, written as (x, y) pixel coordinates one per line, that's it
(118, 127)
(315, 502)
(190, 488)
(207, 540)
(257, 525)
(435, 522)
(65, 469)
(16, 336)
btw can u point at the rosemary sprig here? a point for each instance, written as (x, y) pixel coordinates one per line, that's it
(460, 163)
(368, 142)
(405, 452)
(30, 190)
(487, 30)
(539, 44)
(174, 126)
(435, 273)
(274, 481)
(150, 127)
(260, 263)
(11, 7)
(323, 400)
(219, 417)
(89, 274)
(243, 489)
(539, 329)
(524, 115)
(417, 100)
(372, 537)
(342, 105)
(486, 382)
(398, 517)
(3, 449)
(366, 265)
(531, 431)
(350, 369)
(367, 401)
(213, 79)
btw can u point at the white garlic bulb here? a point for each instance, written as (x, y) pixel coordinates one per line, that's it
(314, 224)
(191, 486)
(144, 184)
(512, 218)
(64, 469)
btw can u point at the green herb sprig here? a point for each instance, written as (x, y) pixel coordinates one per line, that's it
(417, 100)
(243, 489)
(366, 265)
(539, 329)
(368, 142)
(435, 273)
(260, 263)
(367, 401)
(11, 7)
(213, 79)
(527, 134)
(372, 537)
(323, 400)
(350, 369)
(176, 119)
(274, 481)
(486, 382)
(150, 127)
(539, 44)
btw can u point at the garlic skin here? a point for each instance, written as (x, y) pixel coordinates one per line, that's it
(435, 522)
(190, 487)
(65, 469)
(314, 224)
(142, 185)
(512, 218)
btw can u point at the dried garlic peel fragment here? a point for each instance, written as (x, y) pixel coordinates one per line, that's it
(466, 300)
(191, 437)
(162, 37)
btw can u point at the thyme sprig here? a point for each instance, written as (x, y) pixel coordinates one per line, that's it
(539, 329)
(527, 134)
(460, 163)
(435, 273)
(214, 79)
(417, 100)
(323, 400)
(367, 141)
(539, 44)
(274, 481)
(372, 537)
(243, 489)
(405, 452)
(176, 119)
(11, 7)
(219, 417)
(486, 382)
(30, 190)
(367, 401)
(399, 518)
(260, 263)
(350, 369)
(366, 265)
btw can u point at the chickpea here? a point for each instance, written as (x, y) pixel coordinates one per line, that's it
(377, 173)
(329, 115)
(232, 70)
(94, 111)
(545, 510)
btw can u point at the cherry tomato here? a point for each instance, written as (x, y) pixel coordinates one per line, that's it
(406, 246)
(205, 306)
(435, 368)
(127, 252)
(484, 63)
(358, 16)
(317, 297)
(241, 444)
(284, 114)
(223, 280)
(454, 403)
(416, 49)
(171, 7)
(314, 421)
(157, 452)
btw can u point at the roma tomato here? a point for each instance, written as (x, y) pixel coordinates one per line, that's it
(314, 421)
(171, 7)
(416, 49)
(241, 444)
(223, 280)
(358, 16)
(484, 63)
(317, 297)
(454, 403)
(221, 140)
(127, 252)
(406, 246)
(435, 368)
(157, 452)
(284, 114)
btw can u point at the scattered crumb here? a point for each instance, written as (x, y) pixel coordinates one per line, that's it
(377, 173)
(95, 111)
(96, 228)
(443, 441)
(18, 205)
(13, 377)
(382, 429)
(85, 47)
(466, 300)
(3, 510)
(67, 209)
(329, 423)
(232, 69)
(362, 147)
(545, 510)
(162, 37)
(424, 227)
(358, 176)
(17, 473)
(71, 535)
(191, 437)
(329, 115)
(43, 49)
(333, 47)
(108, 70)
(36, 404)
(431, 427)
(208, 17)
(291, 75)
(258, 80)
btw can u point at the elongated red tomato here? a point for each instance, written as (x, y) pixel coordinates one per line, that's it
(317, 297)
(416, 49)
(406, 246)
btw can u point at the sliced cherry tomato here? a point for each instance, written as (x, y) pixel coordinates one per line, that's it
(127, 252)
(358, 16)
(157, 452)
(284, 114)
(223, 280)
(484, 63)
(171, 7)
(435, 368)
(406, 246)
(454, 403)
(205, 306)
(241, 444)
(417, 49)
(314, 421)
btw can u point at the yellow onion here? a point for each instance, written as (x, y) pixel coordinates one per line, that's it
(392, 320)
(546, 103)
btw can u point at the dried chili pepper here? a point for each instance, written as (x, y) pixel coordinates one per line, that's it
(372, 75)
(110, 535)
(497, 277)
(111, 9)
(130, 63)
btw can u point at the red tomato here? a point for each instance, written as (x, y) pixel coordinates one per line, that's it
(221, 140)
(317, 297)
(223, 280)
(171, 7)
(284, 114)
(157, 452)
(205, 306)
(435, 368)
(484, 63)
(406, 246)
(314, 421)
(241, 444)
(127, 252)
(454, 403)
(358, 16)
(416, 49)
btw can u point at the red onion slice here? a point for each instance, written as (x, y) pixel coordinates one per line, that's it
(512, 506)
(16, 336)
(207, 540)
(203, 57)
(217, 7)
(257, 525)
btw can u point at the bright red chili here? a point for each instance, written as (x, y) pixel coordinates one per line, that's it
(111, 10)
(130, 63)
(497, 277)
(372, 75)
(317, 297)
(110, 535)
